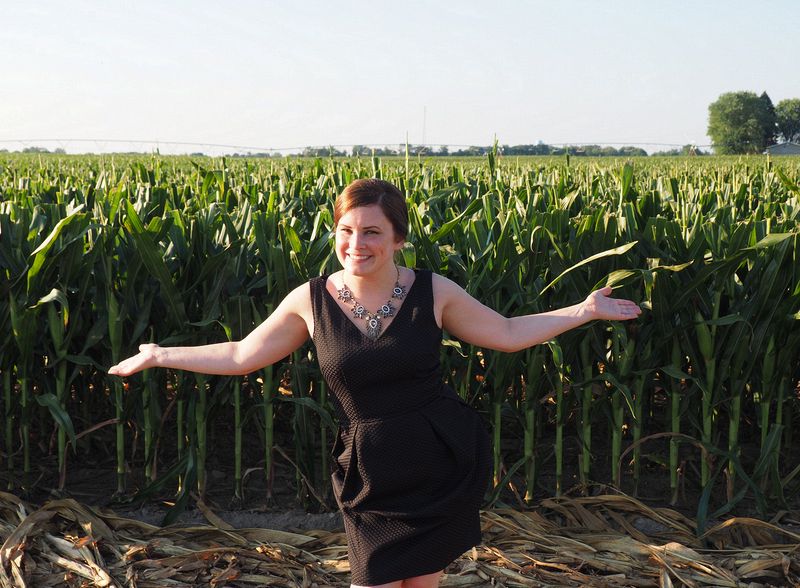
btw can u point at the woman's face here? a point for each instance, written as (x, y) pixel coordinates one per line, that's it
(365, 240)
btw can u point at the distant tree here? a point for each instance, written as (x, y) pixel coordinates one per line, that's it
(788, 114)
(471, 151)
(538, 149)
(771, 121)
(741, 122)
(322, 152)
(630, 151)
(687, 149)
(608, 151)
(35, 150)
(248, 155)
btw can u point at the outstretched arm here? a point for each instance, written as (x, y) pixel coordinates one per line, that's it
(472, 322)
(280, 334)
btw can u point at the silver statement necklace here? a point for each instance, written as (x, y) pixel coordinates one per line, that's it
(373, 318)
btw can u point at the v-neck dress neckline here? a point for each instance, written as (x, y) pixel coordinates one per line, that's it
(398, 313)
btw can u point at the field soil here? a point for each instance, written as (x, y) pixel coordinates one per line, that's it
(94, 484)
(96, 487)
(531, 548)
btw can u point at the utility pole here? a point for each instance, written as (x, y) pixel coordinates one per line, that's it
(424, 117)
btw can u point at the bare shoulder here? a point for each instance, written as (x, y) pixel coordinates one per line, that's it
(298, 302)
(445, 287)
(464, 317)
(445, 292)
(300, 296)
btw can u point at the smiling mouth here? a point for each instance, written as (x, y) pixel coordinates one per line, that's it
(358, 257)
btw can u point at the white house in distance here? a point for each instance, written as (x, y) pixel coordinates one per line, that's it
(784, 149)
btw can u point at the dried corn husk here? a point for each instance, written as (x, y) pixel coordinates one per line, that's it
(590, 541)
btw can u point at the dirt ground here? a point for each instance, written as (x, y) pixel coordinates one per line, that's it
(93, 482)
(96, 488)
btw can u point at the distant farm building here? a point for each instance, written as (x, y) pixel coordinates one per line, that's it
(784, 149)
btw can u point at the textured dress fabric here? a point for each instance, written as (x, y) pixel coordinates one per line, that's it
(411, 459)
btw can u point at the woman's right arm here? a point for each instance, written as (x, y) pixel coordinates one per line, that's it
(284, 331)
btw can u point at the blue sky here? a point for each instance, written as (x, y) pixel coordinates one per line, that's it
(274, 74)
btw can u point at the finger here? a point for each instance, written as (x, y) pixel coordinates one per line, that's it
(606, 290)
(632, 310)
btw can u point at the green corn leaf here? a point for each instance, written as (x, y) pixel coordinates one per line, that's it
(615, 251)
(787, 181)
(292, 237)
(55, 295)
(39, 254)
(153, 260)
(770, 241)
(674, 372)
(619, 276)
(625, 390)
(309, 403)
(495, 496)
(85, 360)
(626, 178)
(450, 225)
(58, 413)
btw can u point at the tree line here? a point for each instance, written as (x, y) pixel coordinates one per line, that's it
(539, 148)
(744, 122)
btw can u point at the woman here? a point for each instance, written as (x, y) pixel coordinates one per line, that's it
(412, 459)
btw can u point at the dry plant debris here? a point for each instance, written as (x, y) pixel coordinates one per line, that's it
(593, 541)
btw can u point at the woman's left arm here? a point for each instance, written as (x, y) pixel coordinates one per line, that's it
(472, 322)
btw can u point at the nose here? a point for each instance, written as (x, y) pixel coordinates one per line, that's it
(356, 240)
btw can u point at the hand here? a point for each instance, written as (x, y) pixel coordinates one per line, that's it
(146, 358)
(599, 306)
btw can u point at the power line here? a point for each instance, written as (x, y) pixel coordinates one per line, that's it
(157, 143)
(150, 142)
(322, 146)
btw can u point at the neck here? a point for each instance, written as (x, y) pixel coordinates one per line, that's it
(383, 280)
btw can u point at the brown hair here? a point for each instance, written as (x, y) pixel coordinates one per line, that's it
(365, 192)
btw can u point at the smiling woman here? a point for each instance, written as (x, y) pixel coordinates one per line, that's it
(412, 460)
(371, 224)
(366, 242)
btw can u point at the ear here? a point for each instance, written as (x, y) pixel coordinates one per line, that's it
(399, 244)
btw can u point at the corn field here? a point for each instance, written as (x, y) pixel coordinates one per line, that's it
(698, 397)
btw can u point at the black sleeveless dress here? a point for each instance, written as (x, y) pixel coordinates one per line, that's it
(411, 459)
